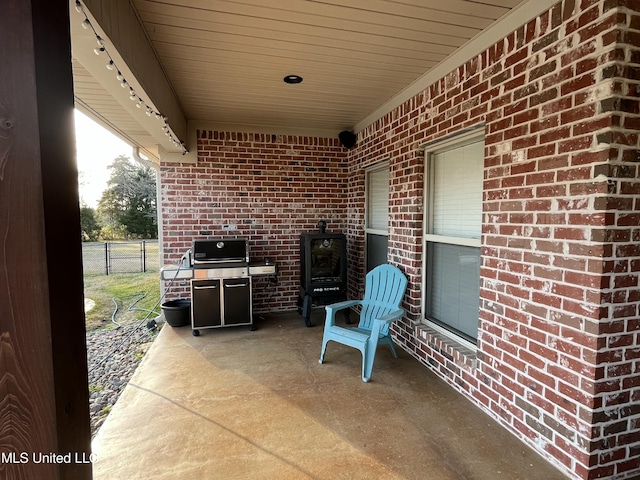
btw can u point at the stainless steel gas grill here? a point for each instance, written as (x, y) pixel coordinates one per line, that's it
(221, 285)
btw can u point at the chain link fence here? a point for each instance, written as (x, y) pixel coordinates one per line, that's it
(120, 257)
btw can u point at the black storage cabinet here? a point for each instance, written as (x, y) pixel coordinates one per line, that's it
(220, 302)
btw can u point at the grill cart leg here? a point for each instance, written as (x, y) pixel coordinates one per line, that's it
(306, 310)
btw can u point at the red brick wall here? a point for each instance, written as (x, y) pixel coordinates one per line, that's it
(272, 187)
(559, 308)
(558, 357)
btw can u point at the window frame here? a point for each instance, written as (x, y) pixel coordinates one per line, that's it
(454, 141)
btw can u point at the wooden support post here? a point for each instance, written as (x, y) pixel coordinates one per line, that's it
(44, 408)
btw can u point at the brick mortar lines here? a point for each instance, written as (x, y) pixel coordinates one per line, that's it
(387, 127)
(255, 184)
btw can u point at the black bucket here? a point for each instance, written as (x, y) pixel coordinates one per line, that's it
(177, 313)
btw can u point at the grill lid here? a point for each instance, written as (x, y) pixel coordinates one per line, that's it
(221, 250)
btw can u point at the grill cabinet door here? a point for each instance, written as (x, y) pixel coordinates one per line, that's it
(205, 303)
(237, 301)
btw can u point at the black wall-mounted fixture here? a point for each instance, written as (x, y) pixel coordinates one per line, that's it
(347, 139)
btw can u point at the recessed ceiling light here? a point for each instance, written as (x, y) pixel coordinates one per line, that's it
(292, 79)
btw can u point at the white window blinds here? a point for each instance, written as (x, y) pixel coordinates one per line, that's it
(455, 173)
(457, 193)
(378, 199)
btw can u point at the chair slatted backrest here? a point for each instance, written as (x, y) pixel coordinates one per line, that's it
(384, 289)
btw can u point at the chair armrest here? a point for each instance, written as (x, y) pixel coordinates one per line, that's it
(378, 323)
(342, 305)
(391, 317)
(334, 307)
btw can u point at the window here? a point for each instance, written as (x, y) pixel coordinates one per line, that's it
(453, 204)
(377, 216)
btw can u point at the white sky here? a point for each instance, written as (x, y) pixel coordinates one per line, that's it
(96, 148)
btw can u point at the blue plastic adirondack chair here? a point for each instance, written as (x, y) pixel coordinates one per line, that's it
(384, 289)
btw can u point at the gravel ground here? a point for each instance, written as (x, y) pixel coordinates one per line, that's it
(113, 354)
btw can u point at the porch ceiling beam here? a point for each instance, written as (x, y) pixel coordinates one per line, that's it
(127, 44)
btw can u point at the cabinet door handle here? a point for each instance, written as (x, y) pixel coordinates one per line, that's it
(236, 285)
(212, 287)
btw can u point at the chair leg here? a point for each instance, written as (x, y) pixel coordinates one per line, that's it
(323, 351)
(367, 363)
(393, 349)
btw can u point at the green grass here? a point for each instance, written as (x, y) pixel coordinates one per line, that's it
(93, 388)
(125, 288)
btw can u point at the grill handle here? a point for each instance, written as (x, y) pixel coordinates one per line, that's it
(211, 287)
(236, 285)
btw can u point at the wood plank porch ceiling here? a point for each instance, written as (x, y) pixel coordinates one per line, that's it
(226, 59)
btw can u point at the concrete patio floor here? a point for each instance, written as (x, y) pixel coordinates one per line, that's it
(237, 404)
